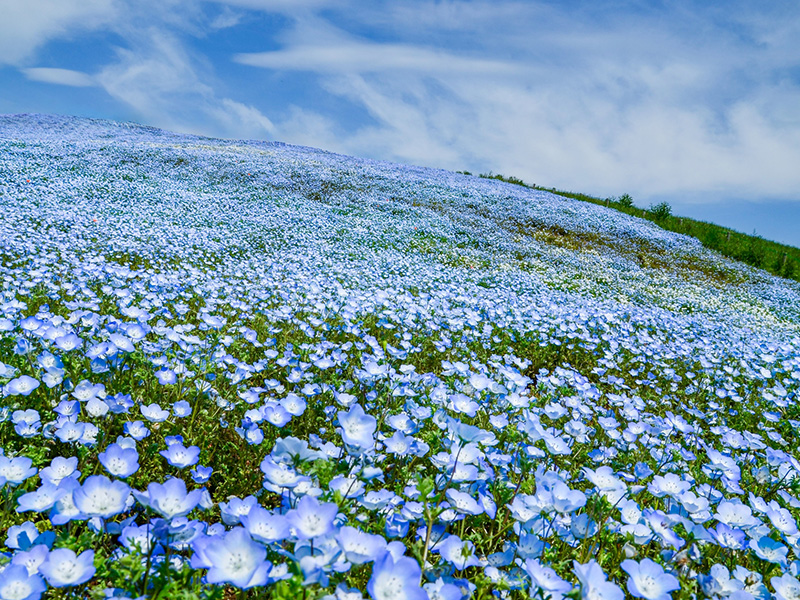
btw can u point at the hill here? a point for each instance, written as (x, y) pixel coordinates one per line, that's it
(776, 258)
(245, 365)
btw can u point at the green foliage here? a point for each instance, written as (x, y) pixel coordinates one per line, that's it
(660, 211)
(625, 200)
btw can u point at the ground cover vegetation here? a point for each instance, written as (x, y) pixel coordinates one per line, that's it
(245, 369)
(779, 259)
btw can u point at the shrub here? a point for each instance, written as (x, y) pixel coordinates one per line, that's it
(625, 200)
(660, 211)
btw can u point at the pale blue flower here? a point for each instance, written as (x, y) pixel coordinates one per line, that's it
(460, 553)
(786, 587)
(17, 584)
(594, 584)
(357, 427)
(311, 518)
(63, 568)
(265, 526)
(395, 579)
(169, 499)
(21, 386)
(41, 499)
(232, 558)
(154, 413)
(648, 580)
(768, 549)
(15, 470)
(120, 462)
(360, 547)
(545, 579)
(179, 456)
(102, 497)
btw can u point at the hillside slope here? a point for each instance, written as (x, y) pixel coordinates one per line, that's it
(550, 338)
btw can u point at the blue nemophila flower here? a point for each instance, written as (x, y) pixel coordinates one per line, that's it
(143, 536)
(60, 468)
(232, 558)
(22, 346)
(264, 526)
(32, 558)
(545, 579)
(96, 407)
(86, 390)
(786, 587)
(17, 584)
(292, 450)
(235, 508)
(21, 386)
(648, 580)
(63, 568)
(181, 409)
(120, 462)
(342, 592)
(154, 413)
(460, 553)
(593, 582)
(276, 414)
(22, 537)
(41, 499)
(442, 590)
(201, 474)
(781, 519)
(68, 409)
(529, 545)
(294, 404)
(169, 499)
(669, 484)
(69, 342)
(566, 500)
(15, 470)
(65, 510)
(357, 427)
(661, 524)
(583, 526)
(179, 456)
(463, 503)
(71, 432)
(396, 579)
(310, 518)
(279, 475)
(769, 550)
(102, 497)
(718, 582)
(728, 537)
(136, 429)
(735, 514)
(360, 547)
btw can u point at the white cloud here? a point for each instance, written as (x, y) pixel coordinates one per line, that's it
(59, 76)
(167, 86)
(372, 57)
(25, 26)
(226, 19)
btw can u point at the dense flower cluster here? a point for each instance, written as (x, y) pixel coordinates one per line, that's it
(260, 366)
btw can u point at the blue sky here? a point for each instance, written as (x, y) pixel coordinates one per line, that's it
(693, 103)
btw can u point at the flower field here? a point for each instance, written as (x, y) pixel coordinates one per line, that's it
(236, 369)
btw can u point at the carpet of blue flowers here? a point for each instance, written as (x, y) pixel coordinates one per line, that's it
(245, 369)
